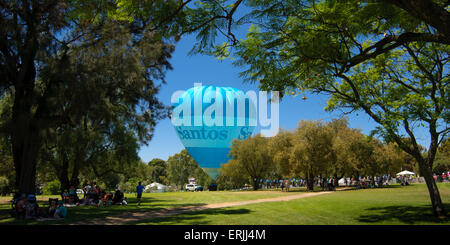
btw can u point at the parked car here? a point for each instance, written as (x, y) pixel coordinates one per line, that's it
(190, 187)
(198, 188)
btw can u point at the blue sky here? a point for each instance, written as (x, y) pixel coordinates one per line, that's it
(207, 70)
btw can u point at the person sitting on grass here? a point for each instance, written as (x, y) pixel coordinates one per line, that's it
(73, 195)
(100, 202)
(61, 211)
(124, 201)
(107, 199)
(65, 196)
(118, 197)
(20, 206)
(52, 209)
(31, 208)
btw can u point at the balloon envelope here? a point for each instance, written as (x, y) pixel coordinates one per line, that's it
(207, 119)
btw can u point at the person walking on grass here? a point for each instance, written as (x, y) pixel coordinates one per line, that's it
(139, 190)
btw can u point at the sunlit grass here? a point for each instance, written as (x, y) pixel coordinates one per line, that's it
(394, 205)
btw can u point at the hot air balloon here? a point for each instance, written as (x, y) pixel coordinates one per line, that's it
(207, 119)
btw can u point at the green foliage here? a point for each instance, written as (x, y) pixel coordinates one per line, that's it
(159, 170)
(314, 149)
(89, 85)
(384, 58)
(52, 188)
(442, 162)
(251, 161)
(130, 185)
(182, 166)
(111, 181)
(5, 187)
(231, 176)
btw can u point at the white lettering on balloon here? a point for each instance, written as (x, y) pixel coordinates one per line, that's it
(235, 109)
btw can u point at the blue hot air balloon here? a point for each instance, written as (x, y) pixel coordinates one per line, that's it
(207, 119)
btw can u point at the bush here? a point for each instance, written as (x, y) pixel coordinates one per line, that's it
(52, 188)
(4, 186)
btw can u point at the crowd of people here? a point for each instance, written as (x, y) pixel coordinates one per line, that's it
(444, 177)
(329, 183)
(94, 195)
(26, 207)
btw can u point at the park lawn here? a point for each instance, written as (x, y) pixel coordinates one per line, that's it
(397, 205)
(150, 202)
(394, 205)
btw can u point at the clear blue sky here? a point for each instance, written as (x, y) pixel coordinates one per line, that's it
(207, 70)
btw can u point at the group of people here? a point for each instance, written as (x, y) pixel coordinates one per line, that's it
(444, 177)
(26, 207)
(70, 196)
(370, 181)
(94, 195)
(327, 183)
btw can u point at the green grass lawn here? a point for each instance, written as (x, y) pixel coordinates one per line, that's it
(385, 206)
(150, 201)
(394, 205)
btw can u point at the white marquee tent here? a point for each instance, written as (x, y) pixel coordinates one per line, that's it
(405, 172)
(156, 187)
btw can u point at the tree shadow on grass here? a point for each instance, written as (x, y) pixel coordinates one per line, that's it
(90, 213)
(193, 218)
(403, 214)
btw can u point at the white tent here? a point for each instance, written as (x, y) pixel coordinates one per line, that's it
(157, 187)
(405, 172)
(341, 182)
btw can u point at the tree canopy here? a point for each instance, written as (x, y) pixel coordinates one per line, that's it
(388, 59)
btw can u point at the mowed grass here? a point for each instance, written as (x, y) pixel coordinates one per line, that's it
(397, 205)
(384, 206)
(150, 202)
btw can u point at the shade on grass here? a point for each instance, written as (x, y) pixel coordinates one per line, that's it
(385, 206)
(150, 202)
(394, 205)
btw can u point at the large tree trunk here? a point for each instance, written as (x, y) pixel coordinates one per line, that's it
(25, 128)
(436, 202)
(310, 183)
(63, 176)
(25, 140)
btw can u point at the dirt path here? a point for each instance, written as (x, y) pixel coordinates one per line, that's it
(136, 216)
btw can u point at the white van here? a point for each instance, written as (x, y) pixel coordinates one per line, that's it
(190, 187)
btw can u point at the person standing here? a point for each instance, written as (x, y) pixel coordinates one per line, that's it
(139, 190)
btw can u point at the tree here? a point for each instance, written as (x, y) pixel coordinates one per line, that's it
(53, 188)
(311, 154)
(252, 158)
(159, 170)
(389, 158)
(182, 166)
(231, 176)
(381, 61)
(442, 162)
(39, 36)
(279, 148)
